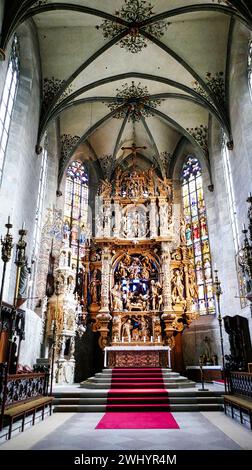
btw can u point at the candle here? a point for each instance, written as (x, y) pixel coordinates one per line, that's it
(215, 266)
(8, 219)
(243, 227)
(249, 194)
(23, 226)
(158, 339)
(151, 338)
(129, 339)
(122, 339)
(144, 339)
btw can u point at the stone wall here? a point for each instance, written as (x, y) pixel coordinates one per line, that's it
(19, 187)
(241, 124)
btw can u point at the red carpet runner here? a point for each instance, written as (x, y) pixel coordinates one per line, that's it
(137, 400)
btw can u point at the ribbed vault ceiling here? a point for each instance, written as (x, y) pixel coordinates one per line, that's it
(182, 75)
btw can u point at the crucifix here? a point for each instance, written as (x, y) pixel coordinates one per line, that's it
(134, 149)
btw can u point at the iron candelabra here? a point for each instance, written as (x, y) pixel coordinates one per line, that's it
(218, 293)
(245, 254)
(20, 259)
(54, 335)
(7, 246)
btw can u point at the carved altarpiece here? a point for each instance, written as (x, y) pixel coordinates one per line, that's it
(140, 284)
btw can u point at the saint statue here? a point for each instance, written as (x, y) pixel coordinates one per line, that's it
(154, 295)
(94, 287)
(117, 298)
(23, 282)
(192, 286)
(126, 330)
(177, 287)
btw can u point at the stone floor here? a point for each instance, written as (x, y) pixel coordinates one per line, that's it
(76, 431)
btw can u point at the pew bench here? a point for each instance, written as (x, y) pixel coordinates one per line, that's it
(22, 410)
(240, 402)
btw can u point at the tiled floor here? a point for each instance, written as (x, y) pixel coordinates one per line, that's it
(76, 431)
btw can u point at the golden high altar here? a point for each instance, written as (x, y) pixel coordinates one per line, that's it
(140, 287)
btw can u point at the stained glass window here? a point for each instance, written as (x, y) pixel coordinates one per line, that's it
(8, 99)
(76, 208)
(197, 232)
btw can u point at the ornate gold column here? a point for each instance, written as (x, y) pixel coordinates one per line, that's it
(166, 281)
(104, 317)
(106, 259)
(168, 316)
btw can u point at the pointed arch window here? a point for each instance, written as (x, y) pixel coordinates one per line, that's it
(76, 208)
(8, 100)
(197, 232)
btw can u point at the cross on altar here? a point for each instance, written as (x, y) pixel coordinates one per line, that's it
(134, 149)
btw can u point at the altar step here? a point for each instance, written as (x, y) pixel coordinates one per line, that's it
(151, 400)
(137, 378)
(137, 389)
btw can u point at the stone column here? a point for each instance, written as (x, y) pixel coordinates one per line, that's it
(153, 222)
(107, 218)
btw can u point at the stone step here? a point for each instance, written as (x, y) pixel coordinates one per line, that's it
(158, 382)
(172, 408)
(122, 400)
(105, 385)
(103, 393)
(163, 374)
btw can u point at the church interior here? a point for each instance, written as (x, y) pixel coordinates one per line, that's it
(126, 224)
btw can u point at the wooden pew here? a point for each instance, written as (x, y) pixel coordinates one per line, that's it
(240, 397)
(22, 394)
